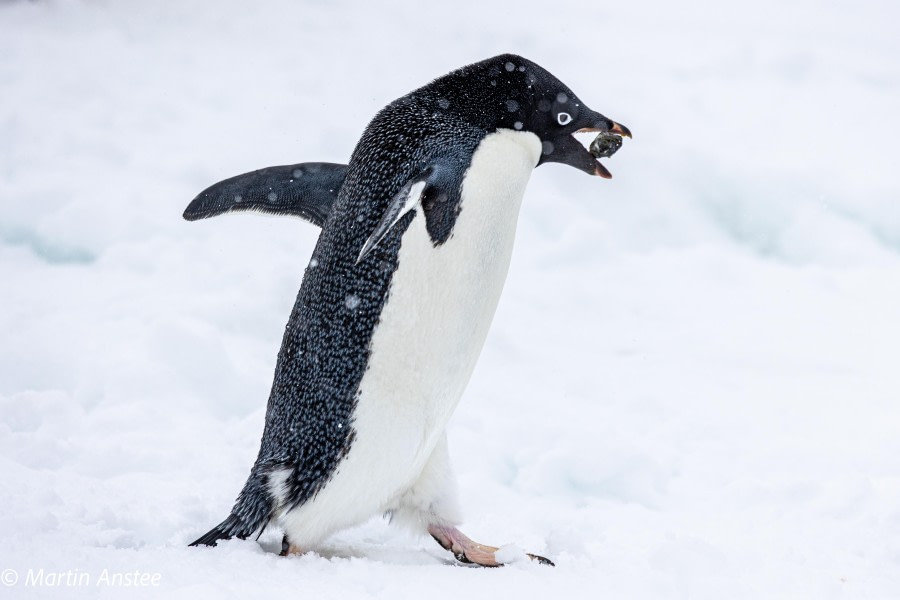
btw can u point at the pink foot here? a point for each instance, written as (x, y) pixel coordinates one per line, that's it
(287, 548)
(468, 551)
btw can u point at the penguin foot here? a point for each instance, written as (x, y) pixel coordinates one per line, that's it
(288, 548)
(467, 551)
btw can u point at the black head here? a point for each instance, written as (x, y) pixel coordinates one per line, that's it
(512, 92)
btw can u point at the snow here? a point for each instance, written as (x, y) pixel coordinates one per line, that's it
(351, 301)
(690, 388)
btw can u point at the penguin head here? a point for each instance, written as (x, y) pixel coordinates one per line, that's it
(511, 92)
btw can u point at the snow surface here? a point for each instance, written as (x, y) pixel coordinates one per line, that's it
(691, 386)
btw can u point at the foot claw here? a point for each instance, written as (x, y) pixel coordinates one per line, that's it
(469, 552)
(541, 559)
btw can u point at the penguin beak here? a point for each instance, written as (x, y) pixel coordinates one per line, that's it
(601, 126)
(620, 129)
(568, 150)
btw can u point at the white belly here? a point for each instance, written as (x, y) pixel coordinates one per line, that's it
(440, 305)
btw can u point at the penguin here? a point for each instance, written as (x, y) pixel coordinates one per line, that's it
(397, 299)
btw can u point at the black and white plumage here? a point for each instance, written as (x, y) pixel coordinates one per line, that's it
(397, 299)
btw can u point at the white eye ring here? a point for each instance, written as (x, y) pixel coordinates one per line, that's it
(563, 118)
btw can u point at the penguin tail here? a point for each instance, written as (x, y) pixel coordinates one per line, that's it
(251, 513)
(223, 531)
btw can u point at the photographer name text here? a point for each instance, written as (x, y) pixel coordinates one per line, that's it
(79, 578)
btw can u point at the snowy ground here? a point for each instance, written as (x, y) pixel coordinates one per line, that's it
(691, 386)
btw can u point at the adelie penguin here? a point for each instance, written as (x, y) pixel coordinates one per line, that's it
(417, 233)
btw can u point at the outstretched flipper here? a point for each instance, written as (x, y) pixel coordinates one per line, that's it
(305, 190)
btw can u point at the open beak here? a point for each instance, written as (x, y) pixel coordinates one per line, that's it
(621, 130)
(616, 128)
(568, 150)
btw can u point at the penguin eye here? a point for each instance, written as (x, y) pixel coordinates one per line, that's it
(564, 118)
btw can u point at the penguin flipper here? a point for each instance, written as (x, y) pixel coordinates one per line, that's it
(306, 190)
(438, 184)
